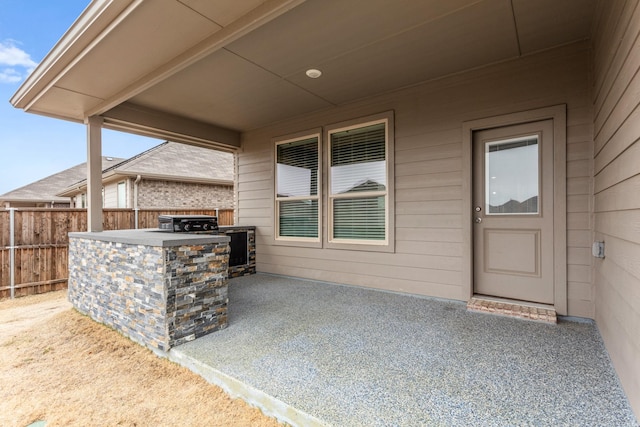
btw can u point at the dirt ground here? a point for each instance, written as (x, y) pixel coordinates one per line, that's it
(61, 367)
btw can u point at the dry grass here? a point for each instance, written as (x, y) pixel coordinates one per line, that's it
(6, 303)
(70, 370)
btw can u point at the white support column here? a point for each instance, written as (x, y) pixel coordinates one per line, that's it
(94, 173)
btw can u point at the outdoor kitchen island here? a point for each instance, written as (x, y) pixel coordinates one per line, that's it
(159, 288)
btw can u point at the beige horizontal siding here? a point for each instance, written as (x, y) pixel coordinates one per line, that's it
(432, 235)
(371, 281)
(429, 207)
(579, 185)
(432, 166)
(428, 177)
(617, 187)
(434, 138)
(621, 168)
(623, 196)
(110, 198)
(621, 224)
(419, 248)
(254, 185)
(579, 256)
(367, 259)
(578, 239)
(424, 180)
(451, 192)
(445, 151)
(612, 51)
(608, 30)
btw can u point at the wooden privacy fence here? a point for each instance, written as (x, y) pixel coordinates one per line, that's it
(34, 243)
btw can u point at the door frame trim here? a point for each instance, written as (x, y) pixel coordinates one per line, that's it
(557, 113)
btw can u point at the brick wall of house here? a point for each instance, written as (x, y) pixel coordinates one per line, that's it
(170, 194)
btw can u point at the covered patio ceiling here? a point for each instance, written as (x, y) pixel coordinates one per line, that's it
(204, 71)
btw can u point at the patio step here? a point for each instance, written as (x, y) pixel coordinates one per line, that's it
(511, 308)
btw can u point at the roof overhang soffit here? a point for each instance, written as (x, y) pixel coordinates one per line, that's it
(103, 18)
(140, 120)
(257, 17)
(201, 71)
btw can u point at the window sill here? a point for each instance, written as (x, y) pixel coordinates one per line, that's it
(300, 243)
(387, 247)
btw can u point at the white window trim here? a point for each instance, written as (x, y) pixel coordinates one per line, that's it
(388, 244)
(315, 242)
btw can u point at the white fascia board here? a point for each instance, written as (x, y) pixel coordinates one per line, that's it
(97, 20)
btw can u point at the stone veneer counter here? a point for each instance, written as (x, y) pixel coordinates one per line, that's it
(159, 288)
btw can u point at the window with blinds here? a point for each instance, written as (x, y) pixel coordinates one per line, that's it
(297, 189)
(358, 184)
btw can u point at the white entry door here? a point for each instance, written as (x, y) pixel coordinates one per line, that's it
(513, 212)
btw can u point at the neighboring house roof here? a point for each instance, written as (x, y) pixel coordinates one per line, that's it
(46, 189)
(170, 161)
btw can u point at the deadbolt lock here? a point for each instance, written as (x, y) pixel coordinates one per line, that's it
(477, 208)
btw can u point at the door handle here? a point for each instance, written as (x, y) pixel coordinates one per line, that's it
(477, 220)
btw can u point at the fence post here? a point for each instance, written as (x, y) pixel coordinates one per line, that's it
(12, 251)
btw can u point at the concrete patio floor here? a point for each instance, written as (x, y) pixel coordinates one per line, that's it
(314, 353)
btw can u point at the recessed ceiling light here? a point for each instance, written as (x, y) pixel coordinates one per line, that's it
(313, 73)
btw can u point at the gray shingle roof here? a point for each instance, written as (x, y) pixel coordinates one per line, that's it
(174, 161)
(45, 189)
(169, 160)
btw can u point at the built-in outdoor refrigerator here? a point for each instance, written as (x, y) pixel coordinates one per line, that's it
(242, 256)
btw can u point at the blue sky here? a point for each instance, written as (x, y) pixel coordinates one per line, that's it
(32, 146)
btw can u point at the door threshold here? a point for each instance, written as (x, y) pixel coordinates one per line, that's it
(513, 308)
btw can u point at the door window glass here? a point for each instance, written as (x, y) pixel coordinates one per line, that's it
(512, 176)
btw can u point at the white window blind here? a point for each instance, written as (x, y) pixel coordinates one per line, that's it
(358, 183)
(297, 175)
